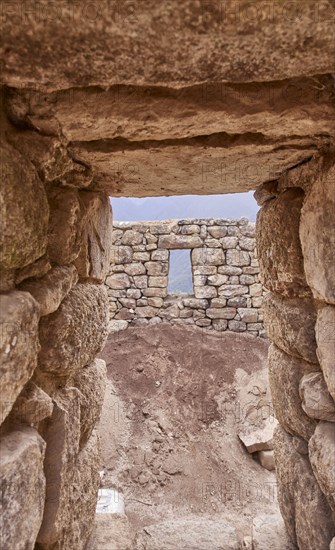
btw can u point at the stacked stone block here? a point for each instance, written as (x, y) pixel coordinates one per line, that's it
(227, 293)
(296, 243)
(54, 250)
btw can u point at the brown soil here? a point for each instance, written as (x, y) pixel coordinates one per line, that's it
(168, 429)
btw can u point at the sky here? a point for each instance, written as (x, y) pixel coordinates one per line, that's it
(185, 206)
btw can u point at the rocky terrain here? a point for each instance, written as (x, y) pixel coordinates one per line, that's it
(178, 406)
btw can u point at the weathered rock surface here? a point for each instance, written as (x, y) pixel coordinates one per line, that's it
(268, 531)
(19, 345)
(285, 373)
(278, 243)
(325, 338)
(185, 533)
(32, 405)
(83, 496)
(266, 459)
(322, 456)
(179, 241)
(208, 256)
(303, 506)
(257, 420)
(79, 324)
(65, 227)
(282, 320)
(191, 31)
(93, 260)
(62, 435)
(22, 488)
(316, 399)
(318, 245)
(91, 382)
(24, 211)
(50, 290)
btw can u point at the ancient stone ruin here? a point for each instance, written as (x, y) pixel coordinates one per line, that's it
(148, 99)
(227, 293)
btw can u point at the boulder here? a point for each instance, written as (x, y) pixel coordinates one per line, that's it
(256, 420)
(19, 345)
(196, 303)
(237, 326)
(135, 268)
(152, 292)
(65, 225)
(158, 282)
(122, 254)
(83, 496)
(24, 211)
(131, 237)
(316, 399)
(247, 243)
(325, 338)
(217, 231)
(22, 488)
(231, 291)
(266, 459)
(33, 405)
(317, 234)
(248, 314)
(208, 256)
(305, 510)
(93, 260)
(229, 242)
(282, 321)
(115, 326)
(321, 449)
(80, 325)
(118, 281)
(201, 292)
(221, 313)
(218, 303)
(157, 268)
(50, 290)
(217, 280)
(62, 435)
(160, 255)
(278, 244)
(146, 311)
(237, 258)
(285, 373)
(205, 270)
(179, 241)
(91, 382)
(141, 281)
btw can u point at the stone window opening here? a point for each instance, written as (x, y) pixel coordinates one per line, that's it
(180, 275)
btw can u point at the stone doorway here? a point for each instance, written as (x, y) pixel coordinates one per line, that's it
(95, 104)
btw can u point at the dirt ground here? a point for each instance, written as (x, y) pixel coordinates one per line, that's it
(168, 431)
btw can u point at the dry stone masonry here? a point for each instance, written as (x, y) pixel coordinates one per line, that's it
(92, 105)
(296, 243)
(227, 293)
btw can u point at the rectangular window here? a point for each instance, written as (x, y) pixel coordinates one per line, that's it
(180, 272)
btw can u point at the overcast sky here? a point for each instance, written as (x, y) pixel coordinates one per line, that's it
(185, 206)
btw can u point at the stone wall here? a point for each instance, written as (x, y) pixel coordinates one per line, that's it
(96, 103)
(227, 292)
(54, 254)
(296, 243)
